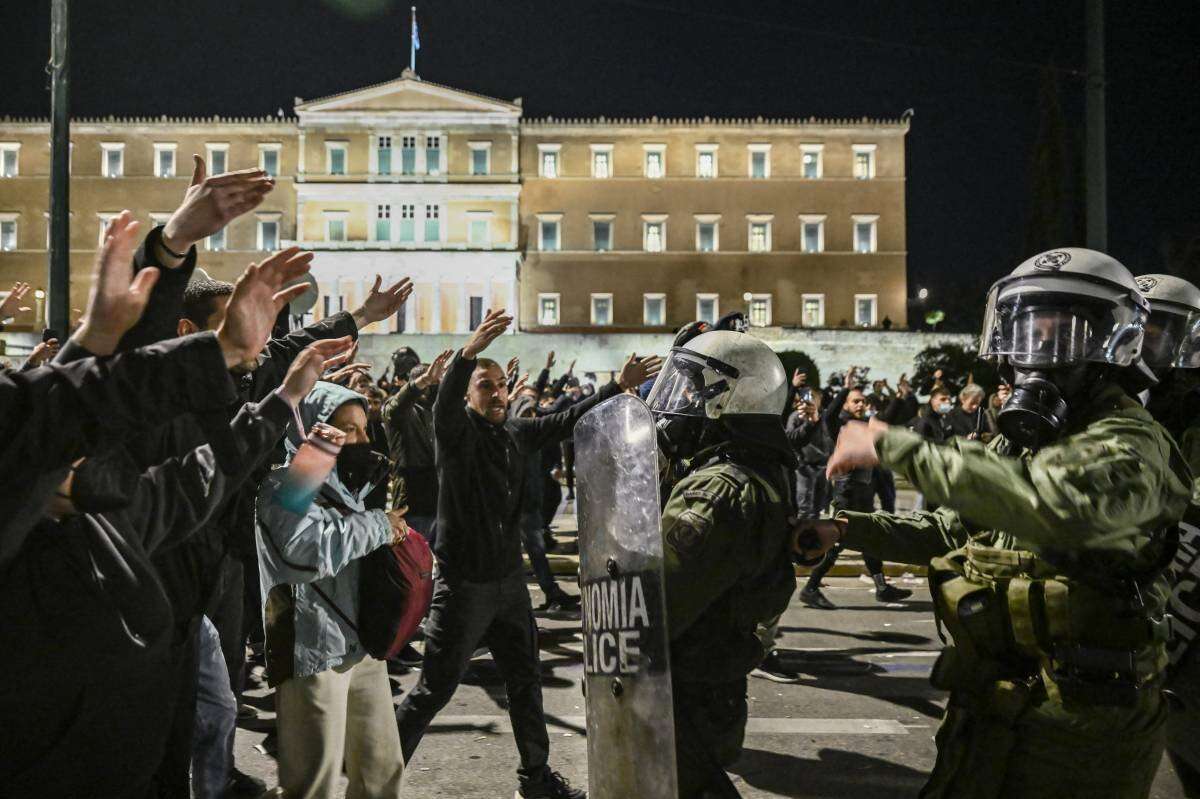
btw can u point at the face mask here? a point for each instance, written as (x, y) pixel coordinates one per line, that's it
(1035, 412)
(358, 465)
(871, 412)
(679, 436)
(104, 483)
(945, 408)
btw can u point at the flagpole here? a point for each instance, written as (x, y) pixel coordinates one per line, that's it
(412, 42)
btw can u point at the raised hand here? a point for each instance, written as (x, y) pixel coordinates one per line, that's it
(43, 352)
(117, 298)
(637, 371)
(492, 327)
(799, 379)
(346, 373)
(571, 368)
(550, 360)
(855, 448)
(436, 371)
(309, 365)
(11, 305)
(257, 299)
(382, 303)
(212, 203)
(522, 383)
(514, 363)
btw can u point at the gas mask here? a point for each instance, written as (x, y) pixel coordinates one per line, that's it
(359, 466)
(1036, 412)
(679, 436)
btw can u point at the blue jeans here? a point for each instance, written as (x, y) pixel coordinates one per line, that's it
(216, 718)
(535, 547)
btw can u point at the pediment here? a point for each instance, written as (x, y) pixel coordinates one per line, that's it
(408, 93)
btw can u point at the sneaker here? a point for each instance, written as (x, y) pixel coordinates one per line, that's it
(773, 669)
(815, 599)
(242, 784)
(552, 786)
(409, 656)
(481, 651)
(246, 713)
(890, 593)
(549, 541)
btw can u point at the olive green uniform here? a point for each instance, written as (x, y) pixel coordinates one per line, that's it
(1046, 569)
(727, 569)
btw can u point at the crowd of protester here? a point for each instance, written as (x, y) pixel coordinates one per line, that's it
(150, 552)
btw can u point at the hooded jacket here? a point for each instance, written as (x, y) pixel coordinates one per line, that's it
(318, 549)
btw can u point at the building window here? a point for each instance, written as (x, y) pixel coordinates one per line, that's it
(864, 161)
(268, 158)
(655, 160)
(654, 309)
(708, 308)
(760, 310)
(8, 233)
(654, 233)
(602, 160)
(602, 237)
(760, 160)
(481, 157)
(479, 230)
(433, 223)
(474, 312)
(164, 160)
(408, 155)
(759, 239)
(811, 160)
(216, 242)
(708, 233)
(10, 159)
(113, 163)
(383, 222)
(548, 309)
(268, 233)
(383, 155)
(812, 310)
(433, 155)
(549, 233)
(335, 158)
(865, 235)
(335, 225)
(548, 160)
(218, 158)
(601, 309)
(408, 225)
(866, 308)
(812, 233)
(706, 160)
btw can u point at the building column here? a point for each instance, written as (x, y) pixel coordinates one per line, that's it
(512, 301)
(299, 158)
(437, 307)
(515, 163)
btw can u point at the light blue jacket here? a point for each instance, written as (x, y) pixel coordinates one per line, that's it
(318, 548)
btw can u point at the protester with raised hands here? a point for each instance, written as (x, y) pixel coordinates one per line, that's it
(480, 596)
(83, 589)
(10, 306)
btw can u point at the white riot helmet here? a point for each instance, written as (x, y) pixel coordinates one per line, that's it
(720, 374)
(1064, 307)
(1173, 332)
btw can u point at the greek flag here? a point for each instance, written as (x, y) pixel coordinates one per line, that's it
(416, 38)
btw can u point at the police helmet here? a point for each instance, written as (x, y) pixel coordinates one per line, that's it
(720, 373)
(1065, 307)
(1173, 332)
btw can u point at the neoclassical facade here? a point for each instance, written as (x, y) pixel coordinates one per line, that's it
(579, 225)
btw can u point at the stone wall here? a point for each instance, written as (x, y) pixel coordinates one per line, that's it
(888, 353)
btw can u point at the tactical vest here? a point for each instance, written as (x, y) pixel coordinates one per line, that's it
(1020, 626)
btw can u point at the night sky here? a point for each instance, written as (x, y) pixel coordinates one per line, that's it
(977, 76)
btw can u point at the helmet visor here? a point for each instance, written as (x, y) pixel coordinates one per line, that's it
(1172, 339)
(688, 382)
(1048, 329)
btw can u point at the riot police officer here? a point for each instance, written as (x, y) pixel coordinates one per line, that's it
(1172, 352)
(1047, 555)
(726, 538)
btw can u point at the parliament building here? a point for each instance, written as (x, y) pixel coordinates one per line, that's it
(574, 225)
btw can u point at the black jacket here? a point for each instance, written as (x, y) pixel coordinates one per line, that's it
(934, 427)
(85, 628)
(52, 415)
(481, 475)
(408, 421)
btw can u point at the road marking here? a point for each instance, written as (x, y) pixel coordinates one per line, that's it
(756, 726)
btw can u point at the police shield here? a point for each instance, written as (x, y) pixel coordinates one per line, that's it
(630, 729)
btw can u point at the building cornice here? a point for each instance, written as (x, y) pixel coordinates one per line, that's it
(583, 124)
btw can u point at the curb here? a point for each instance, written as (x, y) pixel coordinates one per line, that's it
(568, 565)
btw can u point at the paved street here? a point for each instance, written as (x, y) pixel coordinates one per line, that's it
(860, 724)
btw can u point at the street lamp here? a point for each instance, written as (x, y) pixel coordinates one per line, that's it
(923, 295)
(40, 307)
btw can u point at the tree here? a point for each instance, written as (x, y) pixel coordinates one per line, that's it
(795, 359)
(957, 364)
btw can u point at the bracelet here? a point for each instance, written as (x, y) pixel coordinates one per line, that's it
(169, 251)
